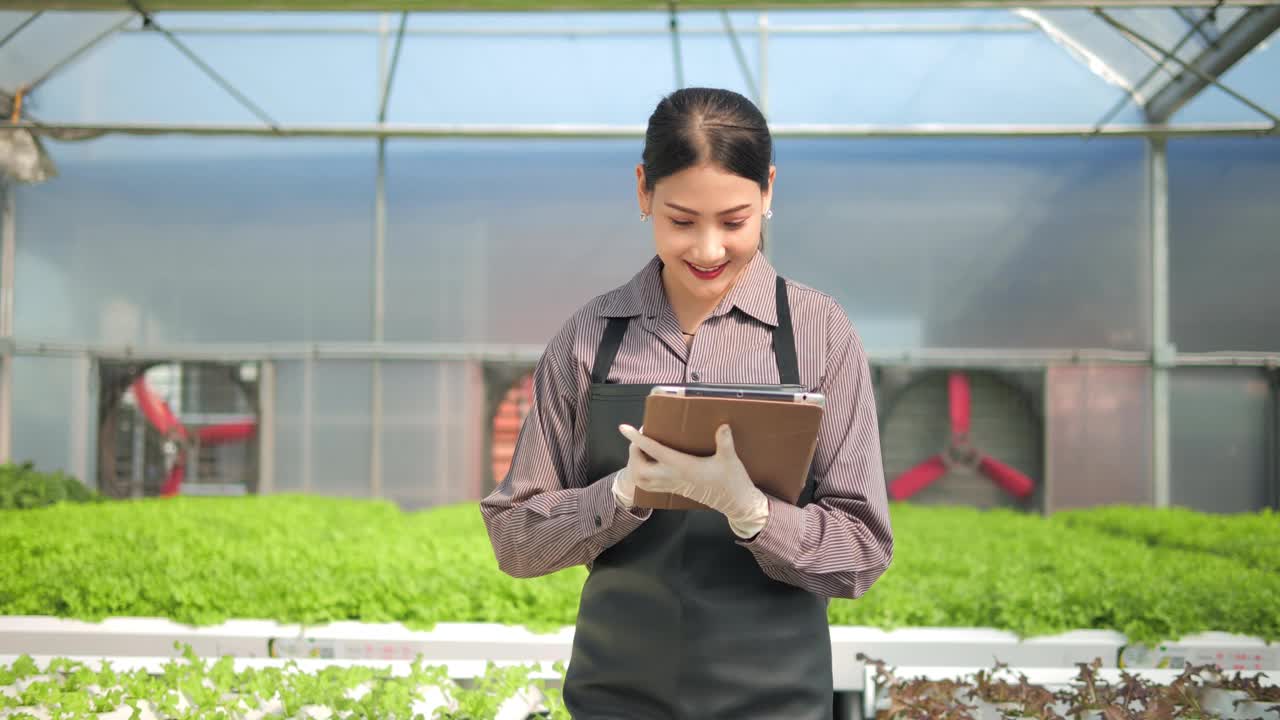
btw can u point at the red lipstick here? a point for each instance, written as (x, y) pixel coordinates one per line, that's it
(704, 275)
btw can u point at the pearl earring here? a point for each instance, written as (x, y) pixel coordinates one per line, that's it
(768, 213)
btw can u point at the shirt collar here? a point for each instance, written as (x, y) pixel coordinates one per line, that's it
(642, 295)
(755, 293)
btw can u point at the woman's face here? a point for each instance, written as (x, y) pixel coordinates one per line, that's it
(706, 226)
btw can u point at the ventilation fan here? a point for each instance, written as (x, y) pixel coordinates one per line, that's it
(146, 449)
(187, 443)
(961, 438)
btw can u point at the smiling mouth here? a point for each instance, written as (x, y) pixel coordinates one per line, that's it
(706, 273)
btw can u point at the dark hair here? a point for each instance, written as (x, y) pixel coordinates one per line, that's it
(700, 125)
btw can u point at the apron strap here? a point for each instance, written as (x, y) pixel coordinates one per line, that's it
(784, 340)
(609, 344)
(784, 343)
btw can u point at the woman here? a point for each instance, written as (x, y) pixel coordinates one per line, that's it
(695, 614)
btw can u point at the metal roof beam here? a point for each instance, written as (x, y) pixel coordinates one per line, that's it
(1158, 54)
(21, 26)
(1252, 28)
(740, 56)
(86, 131)
(596, 5)
(149, 21)
(391, 74)
(576, 31)
(1155, 70)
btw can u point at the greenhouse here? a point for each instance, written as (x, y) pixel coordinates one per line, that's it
(276, 275)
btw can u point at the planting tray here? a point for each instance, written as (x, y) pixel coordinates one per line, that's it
(937, 647)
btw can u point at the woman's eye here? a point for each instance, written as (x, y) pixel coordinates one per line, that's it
(735, 224)
(681, 223)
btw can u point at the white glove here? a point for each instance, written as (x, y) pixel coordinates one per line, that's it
(624, 491)
(720, 482)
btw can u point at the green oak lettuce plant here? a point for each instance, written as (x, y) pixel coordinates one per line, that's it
(313, 560)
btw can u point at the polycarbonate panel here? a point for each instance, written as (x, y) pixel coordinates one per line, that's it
(431, 433)
(292, 453)
(1219, 423)
(139, 76)
(969, 243)
(206, 240)
(492, 241)
(1223, 213)
(328, 73)
(328, 452)
(340, 428)
(43, 413)
(552, 79)
(1097, 437)
(33, 50)
(974, 77)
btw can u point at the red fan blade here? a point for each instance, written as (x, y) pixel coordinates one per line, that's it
(229, 432)
(155, 410)
(917, 478)
(958, 398)
(1013, 481)
(173, 483)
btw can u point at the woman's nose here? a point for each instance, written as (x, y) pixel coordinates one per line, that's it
(709, 248)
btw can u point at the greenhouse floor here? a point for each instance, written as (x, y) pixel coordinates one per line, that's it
(468, 642)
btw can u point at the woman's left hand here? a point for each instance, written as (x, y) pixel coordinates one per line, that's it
(720, 481)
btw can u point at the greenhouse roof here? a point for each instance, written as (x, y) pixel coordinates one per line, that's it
(818, 68)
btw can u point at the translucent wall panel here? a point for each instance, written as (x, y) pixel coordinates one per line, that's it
(323, 427)
(292, 466)
(44, 412)
(1219, 430)
(205, 240)
(340, 429)
(431, 430)
(1097, 437)
(926, 243)
(502, 241)
(431, 433)
(958, 243)
(1224, 209)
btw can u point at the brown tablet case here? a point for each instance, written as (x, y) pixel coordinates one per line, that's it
(775, 440)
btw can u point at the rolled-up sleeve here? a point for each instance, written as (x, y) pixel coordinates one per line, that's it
(841, 543)
(546, 515)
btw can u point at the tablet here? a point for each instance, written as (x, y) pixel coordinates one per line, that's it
(743, 392)
(775, 431)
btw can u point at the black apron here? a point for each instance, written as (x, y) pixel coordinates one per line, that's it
(677, 620)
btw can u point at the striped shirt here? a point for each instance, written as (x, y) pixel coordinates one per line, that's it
(547, 514)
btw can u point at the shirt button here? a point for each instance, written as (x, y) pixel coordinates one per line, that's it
(694, 377)
(599, 522)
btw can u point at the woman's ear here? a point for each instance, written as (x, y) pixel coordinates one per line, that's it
(767, 198)
(642, 191)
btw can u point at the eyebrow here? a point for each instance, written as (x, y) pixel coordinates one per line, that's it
(695, 212)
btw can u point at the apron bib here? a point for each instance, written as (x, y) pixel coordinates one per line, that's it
(677, 620)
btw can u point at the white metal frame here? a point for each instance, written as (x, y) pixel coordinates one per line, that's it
(1163, 353)
(8, 254)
